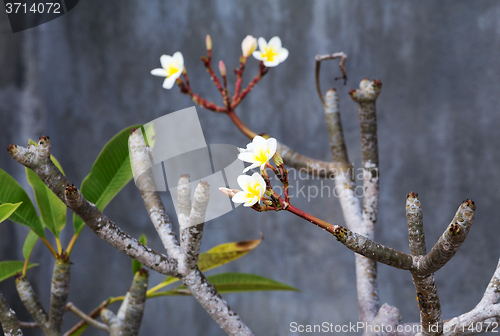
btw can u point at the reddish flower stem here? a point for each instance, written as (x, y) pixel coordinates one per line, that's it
(198, 100)
(207, 62)
(262, 71)
(239, 77)
(240, 125)
(310, 218)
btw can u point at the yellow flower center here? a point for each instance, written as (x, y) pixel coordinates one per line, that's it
(262, 155)
(171, 69)
(269, 53)
(254, 190)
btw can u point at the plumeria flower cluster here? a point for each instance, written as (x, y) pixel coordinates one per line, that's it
(271, 54)
(255, 187)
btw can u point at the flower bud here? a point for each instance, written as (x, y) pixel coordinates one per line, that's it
(248, 45)
(208, 42)
(228, 192)
(278, 161)
(222, 68)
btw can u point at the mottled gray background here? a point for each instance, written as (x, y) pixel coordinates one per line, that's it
(83, 77)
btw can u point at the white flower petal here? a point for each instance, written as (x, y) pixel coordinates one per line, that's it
(282, 55)
(165, 60)
(244, 181)
(249, 157)
(258, 55)
(254, 165)
(179, 59)
(159, 72)
(169, 82)
(252, 202)
(258, 178)
(262, 43)
(274, 63)
(273, 144)
(275, 43)
(259, 141)
(240, 197)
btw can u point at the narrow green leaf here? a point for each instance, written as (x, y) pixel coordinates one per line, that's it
(29, 244)
(8, 209)
(135, 264)
(52, 209)
(217, 256)
(225, 253)
(12, 192)
(233, 283)
(11, 268)
(109, 174)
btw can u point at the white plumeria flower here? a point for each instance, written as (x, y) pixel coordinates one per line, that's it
(248, 45)
(171, 69)
(258, 152)
(253, 189)
(271, 53)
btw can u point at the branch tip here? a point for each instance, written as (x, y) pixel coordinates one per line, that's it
(10, 148)
(412, 195)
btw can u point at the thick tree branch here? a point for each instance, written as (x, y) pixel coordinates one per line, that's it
(38, 159)
(191, 216)
(8, 319)
(59, 291)
(416, 234)
(215, 305)
(425, 285)
(135, 305)
(192, 231)
(33, 306)
(450, 241)
(141, 163)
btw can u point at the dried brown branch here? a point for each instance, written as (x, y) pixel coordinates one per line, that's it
(321, 58)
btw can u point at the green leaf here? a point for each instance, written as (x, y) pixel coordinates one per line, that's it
(52, 209)
(12, 192)
(135, 264)
(29, 244)
(217, 256)
(109, 174)
(225, 253)
(8, 209)
(234, 283)
(148, 132)
(11, 268)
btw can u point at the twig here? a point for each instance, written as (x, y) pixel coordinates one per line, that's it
(93, 314)
(28, 325)
(90, 321)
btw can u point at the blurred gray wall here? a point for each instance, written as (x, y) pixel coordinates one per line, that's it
(83, 77)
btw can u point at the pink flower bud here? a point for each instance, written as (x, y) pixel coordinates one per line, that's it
(248, 45)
